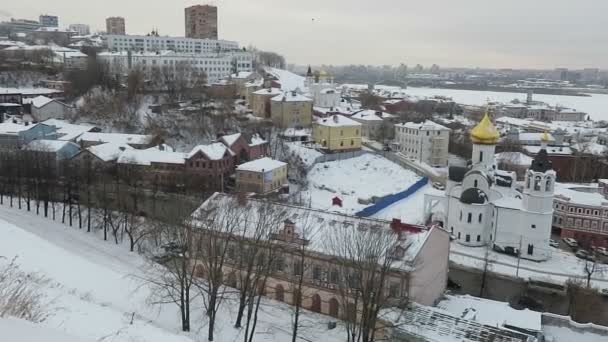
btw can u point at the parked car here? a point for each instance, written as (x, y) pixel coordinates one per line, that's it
(602, 251)
(604, 292)
(553, 243)
(438, 186)
(570, 242)
(452, 285)
(583, 254)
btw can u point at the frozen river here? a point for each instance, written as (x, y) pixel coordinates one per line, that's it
(596, 105)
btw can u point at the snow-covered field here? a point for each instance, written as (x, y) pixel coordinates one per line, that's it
(409, 210)
(351, 179)
(95, 293)
(594, 105)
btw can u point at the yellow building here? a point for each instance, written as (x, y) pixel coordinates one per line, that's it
(260, 101)
(337, 134)
(291, 110)
(262, 176)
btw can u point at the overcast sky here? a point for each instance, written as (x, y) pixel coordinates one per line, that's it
(484, 33)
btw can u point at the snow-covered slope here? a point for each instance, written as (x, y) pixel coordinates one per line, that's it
(96, 295)
(17, 330)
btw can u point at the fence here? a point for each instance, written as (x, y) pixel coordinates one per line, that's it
(336, 156)
(392, 199)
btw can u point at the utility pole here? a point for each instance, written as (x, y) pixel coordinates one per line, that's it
(518, 256)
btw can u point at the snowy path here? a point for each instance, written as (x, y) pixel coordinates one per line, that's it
(94, 291)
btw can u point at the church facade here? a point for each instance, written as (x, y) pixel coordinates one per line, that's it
(484, 206)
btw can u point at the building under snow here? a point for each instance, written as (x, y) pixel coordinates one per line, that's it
(425, 142)
(481, 205)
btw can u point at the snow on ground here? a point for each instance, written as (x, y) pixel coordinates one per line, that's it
(19, 330)
(411, 209)
(351, 179)
(95, 292)
(558, 269)
(594, 105)
(565, 334)
(306, 154)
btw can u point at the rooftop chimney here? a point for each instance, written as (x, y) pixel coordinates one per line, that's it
(336, 118)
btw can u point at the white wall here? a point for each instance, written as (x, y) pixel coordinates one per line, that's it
(52, 110)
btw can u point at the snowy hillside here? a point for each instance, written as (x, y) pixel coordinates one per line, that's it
(357, 178)
(95, 293)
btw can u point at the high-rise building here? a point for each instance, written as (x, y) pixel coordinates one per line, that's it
(49, 20)
(80, 29)
(201, 22)
(115, 25)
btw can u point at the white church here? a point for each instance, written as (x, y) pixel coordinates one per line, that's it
(324, 92)
(483, 205)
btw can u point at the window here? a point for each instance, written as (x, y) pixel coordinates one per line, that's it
(480, 156)
(537, 181)
(468, 238)
(470, 218)
(316, 273)
(475, 183)
(530, 249)
(352, 142)
(297, 268)
(393, 290)
(461, 215)
(480, 217)
(427, 133)
(458, 235)
(548, 185)
(452, 230)
(533, 226)
(334, 276)
(478, 238)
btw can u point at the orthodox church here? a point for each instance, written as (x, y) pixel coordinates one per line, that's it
(483, 205)
(322, 89)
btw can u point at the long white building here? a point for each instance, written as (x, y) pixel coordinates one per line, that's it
(426, 142)
(216, 66)
(155, 43)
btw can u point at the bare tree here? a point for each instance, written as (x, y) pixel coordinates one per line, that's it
(365, 257)
(592, 266)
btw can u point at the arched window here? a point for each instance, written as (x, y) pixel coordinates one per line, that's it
(470, 218)
(537, 181)
(480, 156)
(480, 217)
(461, 215)
(475, 183)
(528, 182)
(548, 184)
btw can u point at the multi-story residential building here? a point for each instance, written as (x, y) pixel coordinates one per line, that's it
(337, 134)
(154, 43)
(581, 213)
(261, 176)
(201, 21)
(260, 101)
(215, 66)
(215, 160)
(14, 26)
(115, 25)
(80, 29)
(291, 109)
(376, 125)
(426, 142)
(49, 20)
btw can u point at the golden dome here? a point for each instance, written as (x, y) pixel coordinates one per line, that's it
(545, 137)
(485, 132)
(323, 73)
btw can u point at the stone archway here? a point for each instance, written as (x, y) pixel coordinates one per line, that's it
(279, 293)
(334, 307)
(315, 306)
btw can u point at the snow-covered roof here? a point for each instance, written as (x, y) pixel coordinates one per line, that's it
(337, 121)
(108, 151)
(551, 150)
(261, 165)
(40, 101)
(291, 97)
(13, 128)
(289, 81)
(490, 312)
(147, 157)
(534, 136)
(256, 140)
(514, 158)
(437, 325)
(297, 132)
(242, 74)
(269, 91)
(580, 194)
(28, 91)
(68, 131)
(372, 115)
(47, 145)
(317, 226)
(117, 138)
(230, 139)
(215, 151)
(426, 125)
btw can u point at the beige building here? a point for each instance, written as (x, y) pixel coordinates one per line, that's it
(425, 142)
(376, 125)
(337, 134)
(201, 22)
(291, 110)
(419, 261)
(115, 25)
(260, 101)
(262, 176)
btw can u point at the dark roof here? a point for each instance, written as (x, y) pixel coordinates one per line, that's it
(541, 162)
(456, 173)
(473, 196)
